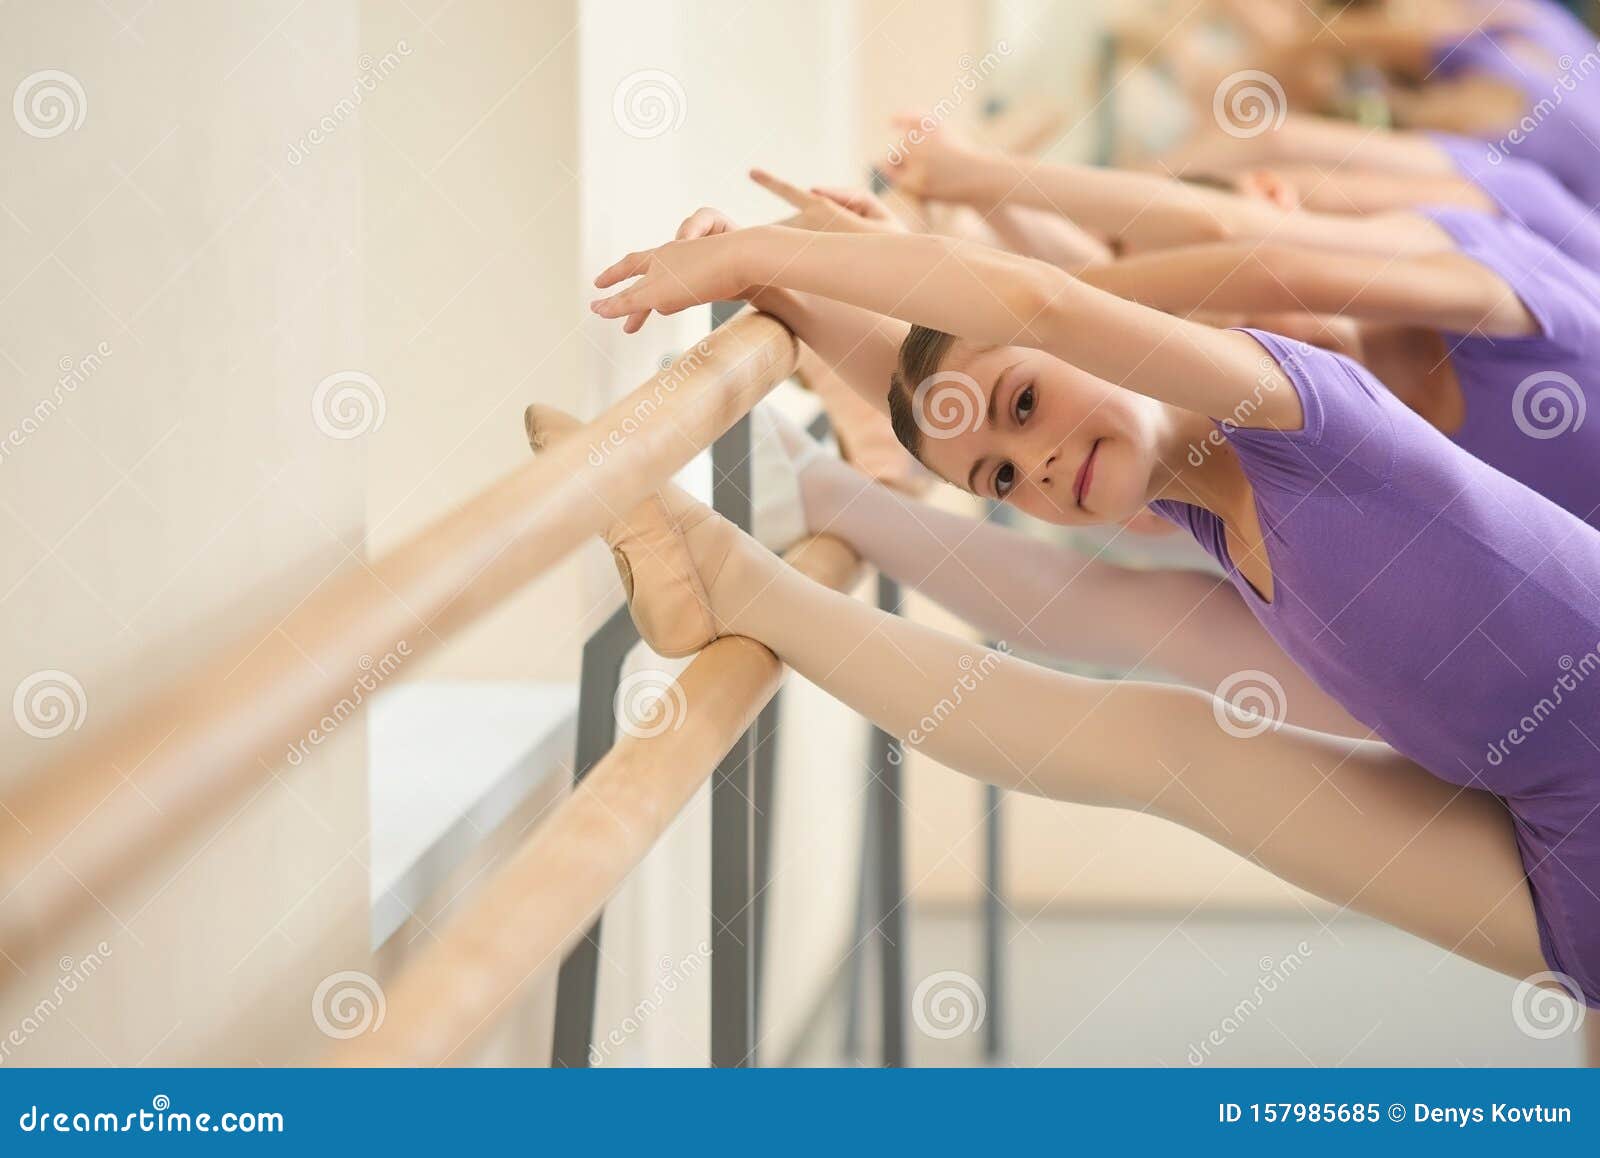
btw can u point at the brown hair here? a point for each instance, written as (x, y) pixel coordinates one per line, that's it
(921, 355)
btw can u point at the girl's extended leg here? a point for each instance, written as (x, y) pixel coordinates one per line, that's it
(1351, 821)
(1046, 598)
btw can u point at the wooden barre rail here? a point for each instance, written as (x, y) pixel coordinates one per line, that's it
(530, 913)
(111, 805)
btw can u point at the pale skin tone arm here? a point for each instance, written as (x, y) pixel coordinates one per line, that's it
(982, 295)
(1141, 210)
(1314, 141)
(1444, 291)
(1330, 190)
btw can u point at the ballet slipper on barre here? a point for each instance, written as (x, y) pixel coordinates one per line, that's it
(666, 595)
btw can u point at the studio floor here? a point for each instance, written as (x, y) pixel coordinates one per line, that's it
(1153, 989)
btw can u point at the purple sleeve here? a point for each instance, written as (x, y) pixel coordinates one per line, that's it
(1548, 283)
(1346, 444)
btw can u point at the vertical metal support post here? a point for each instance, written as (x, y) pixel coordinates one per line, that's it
(733, 830)
(993, 884)
(603, 656)
(886, 757)
(763, 799)
(993, 924)
(864, 928)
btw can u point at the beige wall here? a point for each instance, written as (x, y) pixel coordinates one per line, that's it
(472, 185)
(679, 100)
(180, 493)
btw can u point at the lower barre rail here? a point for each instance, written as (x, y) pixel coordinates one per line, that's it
(526, 917)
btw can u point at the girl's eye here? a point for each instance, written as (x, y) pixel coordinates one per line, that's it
(1004, 479)
(1024, 405)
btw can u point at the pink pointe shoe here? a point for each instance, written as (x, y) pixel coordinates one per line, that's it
(666, 595)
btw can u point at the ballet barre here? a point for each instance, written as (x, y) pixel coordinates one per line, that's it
(540, 904)
(223, 729)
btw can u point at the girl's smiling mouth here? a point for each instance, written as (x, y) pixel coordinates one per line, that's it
(1080, 486)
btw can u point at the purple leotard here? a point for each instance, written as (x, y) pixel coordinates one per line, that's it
(1559, 128)
(1448, 607)
(1550, 25)
(1527, 194)
(1527, 399)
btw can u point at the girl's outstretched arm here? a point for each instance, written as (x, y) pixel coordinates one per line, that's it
(1446, 291)
(1142, 211)
(982, 295)
(862, 347)
(1330, 189)
(1312, 140)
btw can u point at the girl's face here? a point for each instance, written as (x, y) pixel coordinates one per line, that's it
(1021, 426)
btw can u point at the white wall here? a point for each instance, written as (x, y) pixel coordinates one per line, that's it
(678, 101)
(181, 493)
(469, 148)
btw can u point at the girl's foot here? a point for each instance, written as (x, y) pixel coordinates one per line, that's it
(670, 552)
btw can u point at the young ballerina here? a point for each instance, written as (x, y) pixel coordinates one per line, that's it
(1517, 402)
(1517, 190)
(1183, 623)
(1507, 400)
(1438, 600)
(1054, 599)
(1559, 143)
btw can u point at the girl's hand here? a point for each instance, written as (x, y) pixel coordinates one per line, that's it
(830, 210)
(708, 267)
(703, 222)
(928, 163)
